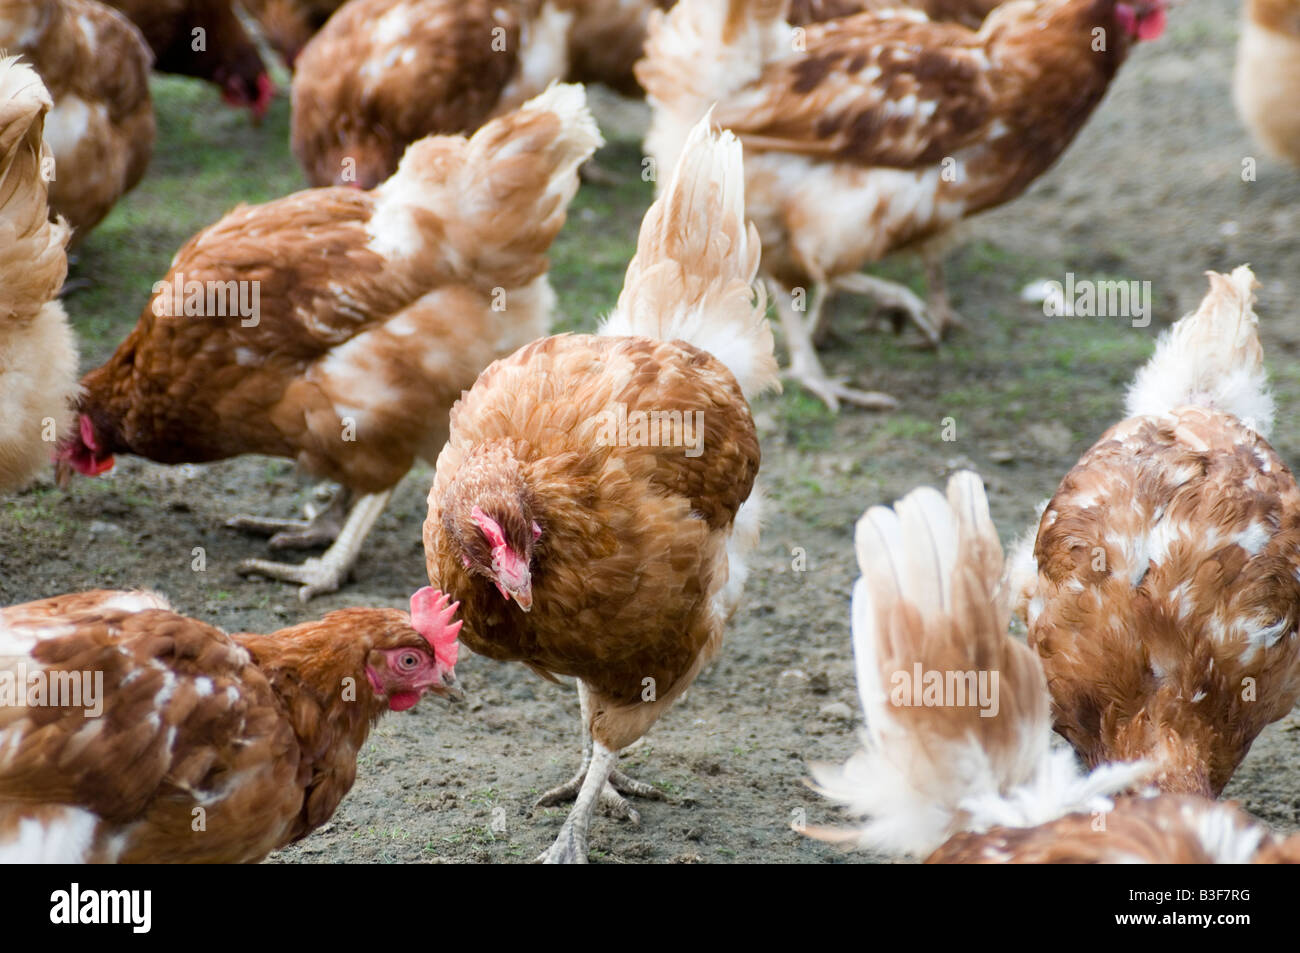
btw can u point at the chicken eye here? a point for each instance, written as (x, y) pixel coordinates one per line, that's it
(408, 661)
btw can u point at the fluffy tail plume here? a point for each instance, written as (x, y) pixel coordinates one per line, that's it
(500, 197)
(958, 720)
(693, 277)
(33, 263)
(38, 355)
(1211, 358)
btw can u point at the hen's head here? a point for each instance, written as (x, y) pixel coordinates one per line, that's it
(249, 87)
(88, 452)
(402, 666)
(1142, 20)
(488, 516)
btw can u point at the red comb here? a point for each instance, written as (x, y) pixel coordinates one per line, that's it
(431, 616)
(490, 527)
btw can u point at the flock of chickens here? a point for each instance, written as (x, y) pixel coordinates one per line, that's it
(403, 313)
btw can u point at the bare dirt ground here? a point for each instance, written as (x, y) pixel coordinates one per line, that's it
(1151, 190)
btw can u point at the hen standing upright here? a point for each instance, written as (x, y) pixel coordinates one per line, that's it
(337, 327)
(1162, 591)
(159, 739)
(38, 355)
(957, 763)
(592, 509)
(880, 131)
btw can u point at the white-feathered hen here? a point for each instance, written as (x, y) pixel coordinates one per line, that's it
(38, 355)
(957, 763)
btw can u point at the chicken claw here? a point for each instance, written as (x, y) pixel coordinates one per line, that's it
(611, 802)
(316, 576)
(330, 570)
(320, 528)
(832, 390)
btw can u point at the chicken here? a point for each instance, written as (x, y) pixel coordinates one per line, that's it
(384, 73)
(336, 327)
(133, 734)
(1161, 591)
(969, 12)
(879, 132)
(204, 39)
(593, 508)
(101, 129)
(957, 765)
(1267, 76)
(289, 24)
(38, 354)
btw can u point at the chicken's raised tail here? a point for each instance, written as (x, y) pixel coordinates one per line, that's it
(957, 711)
(33, 263)
(499, 199)
(1211, 358)
(38, 353)
(693, 276)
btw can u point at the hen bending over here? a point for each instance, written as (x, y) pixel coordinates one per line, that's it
(582, 544)
(337, 327)
(879, 132)
(1161, 591)
(956, 765)
(161, 739)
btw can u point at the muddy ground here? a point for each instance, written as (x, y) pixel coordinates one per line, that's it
(1151, 190)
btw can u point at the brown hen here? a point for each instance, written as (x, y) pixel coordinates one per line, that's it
(1162, 590)
(874, 133)
(133, 734)
(593, 507)
(957, 765)
(336, 327)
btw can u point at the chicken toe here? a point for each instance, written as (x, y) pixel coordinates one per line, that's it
(331, 570)
(321, 527)
(891, 294)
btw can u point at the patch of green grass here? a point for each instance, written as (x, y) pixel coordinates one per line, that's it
(805, 420)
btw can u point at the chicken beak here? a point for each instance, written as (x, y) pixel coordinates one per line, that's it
(523, 596)
(448, 687)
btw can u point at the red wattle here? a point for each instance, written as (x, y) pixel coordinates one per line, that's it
(400, 701)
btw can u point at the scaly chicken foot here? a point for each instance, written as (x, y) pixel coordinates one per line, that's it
(806, 368)
(328, 572)
(570, 846)
(321, 527)
(610, 802)
(891, 294)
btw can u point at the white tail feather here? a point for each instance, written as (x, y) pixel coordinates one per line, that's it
(1211, 358)
(930, 595)
(693, 276)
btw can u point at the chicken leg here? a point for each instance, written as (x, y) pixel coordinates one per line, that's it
(608, 795)
(328, 572)
(891, 294)
(320, 528)
(806, 368)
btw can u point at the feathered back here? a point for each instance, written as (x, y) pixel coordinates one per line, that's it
(500, 197)
(693, 276)
(958, 721)
(1211, 358)
(33, 263)
(699, 53)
